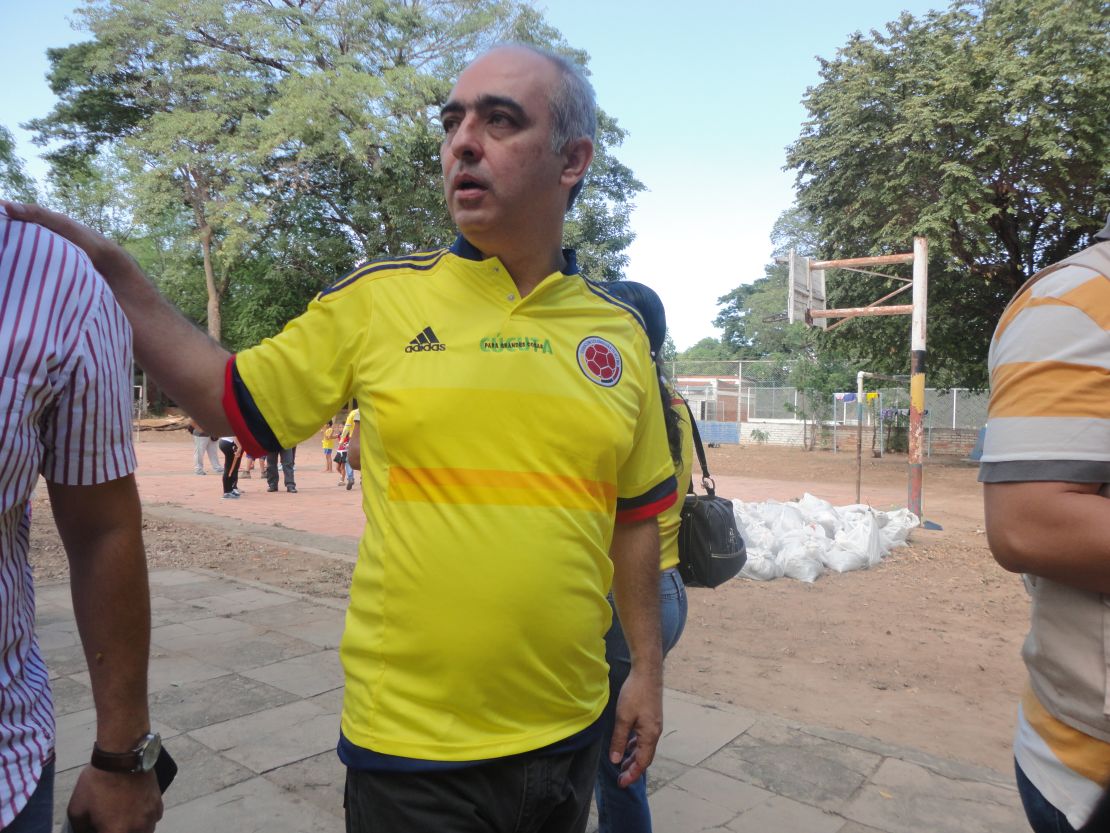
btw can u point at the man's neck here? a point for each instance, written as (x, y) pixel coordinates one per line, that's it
(528, 270)
(528, 263)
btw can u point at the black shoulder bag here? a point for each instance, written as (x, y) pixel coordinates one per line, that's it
(710, 548)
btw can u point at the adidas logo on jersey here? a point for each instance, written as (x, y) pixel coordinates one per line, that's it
(425, 342)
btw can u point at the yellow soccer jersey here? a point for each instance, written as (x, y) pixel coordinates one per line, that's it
(503, 437)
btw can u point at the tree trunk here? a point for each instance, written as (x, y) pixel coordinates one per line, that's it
(210, 283)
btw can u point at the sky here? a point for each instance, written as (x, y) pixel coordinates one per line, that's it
(709, 91)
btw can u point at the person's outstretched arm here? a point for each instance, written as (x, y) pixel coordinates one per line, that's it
(101, 529)
(639, 717)
(184, 361)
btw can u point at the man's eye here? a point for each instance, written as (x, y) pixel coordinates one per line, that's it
(449, 125)
(500, 119)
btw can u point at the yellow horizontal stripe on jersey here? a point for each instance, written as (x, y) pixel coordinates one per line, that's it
(1050, 389)
(1079, 752)
(1093, 298)
(492, 486)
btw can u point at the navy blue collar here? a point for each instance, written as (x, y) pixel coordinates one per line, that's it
(467, 250)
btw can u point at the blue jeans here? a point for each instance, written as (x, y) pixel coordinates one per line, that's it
(1043, 816)
(37, 815)
(626, 810)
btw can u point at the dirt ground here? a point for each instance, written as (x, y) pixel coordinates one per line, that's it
(921, 651)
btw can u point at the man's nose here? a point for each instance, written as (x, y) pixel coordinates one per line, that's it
(465, 142)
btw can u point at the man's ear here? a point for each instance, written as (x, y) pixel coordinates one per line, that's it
(577, 156)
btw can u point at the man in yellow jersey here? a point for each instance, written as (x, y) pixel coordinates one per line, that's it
(515, 460)
(1046, 470)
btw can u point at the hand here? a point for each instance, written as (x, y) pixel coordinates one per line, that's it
(112, 802)
(101, 251)
(638, 725)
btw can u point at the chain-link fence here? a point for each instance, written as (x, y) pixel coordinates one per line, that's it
(745, 391)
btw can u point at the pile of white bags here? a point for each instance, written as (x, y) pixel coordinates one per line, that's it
(800, 539)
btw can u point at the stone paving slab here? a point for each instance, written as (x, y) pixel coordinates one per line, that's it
(200, 704)
(796, 765)
(248, 701)
(254, 806)
(318, 780)
(274, 737)
(695, 728)
(903, 797)
(305, 676)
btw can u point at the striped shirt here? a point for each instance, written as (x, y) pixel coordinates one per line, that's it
(1049, 420)
(65, 413)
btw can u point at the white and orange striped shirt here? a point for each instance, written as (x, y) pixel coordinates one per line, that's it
(1049, 420)
(65, 394)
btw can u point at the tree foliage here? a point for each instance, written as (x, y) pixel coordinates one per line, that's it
(15, 184)
(287, 140)
(982, 128)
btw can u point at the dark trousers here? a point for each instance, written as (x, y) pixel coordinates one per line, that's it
(521, 794)
(231, 465)
(1043, 816)
(288, 459)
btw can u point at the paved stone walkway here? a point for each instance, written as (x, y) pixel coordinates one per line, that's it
(246, 688)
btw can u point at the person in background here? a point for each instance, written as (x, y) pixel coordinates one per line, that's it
(66, 373)
(347, 439)
(203, 443)
(625, 810)
(233, 454)
(247, 470)
(342, 463)
(328, 444)
(288, 457)
(1046, 488)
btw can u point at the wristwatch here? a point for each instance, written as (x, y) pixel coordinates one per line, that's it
(138, 760)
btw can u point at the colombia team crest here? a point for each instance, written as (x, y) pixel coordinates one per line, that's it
(600, 361)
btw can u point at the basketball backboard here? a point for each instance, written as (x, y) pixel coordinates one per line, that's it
(805, 291)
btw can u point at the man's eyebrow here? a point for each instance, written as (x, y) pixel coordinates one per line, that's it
(485, 103)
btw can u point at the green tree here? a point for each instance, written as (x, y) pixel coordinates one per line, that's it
(255, 116)
(982, 128)
(15, 184)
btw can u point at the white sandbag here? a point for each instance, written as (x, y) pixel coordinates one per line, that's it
(759, 538)
(818, 511)
(800, 553)
(896, 528)
(761, 566)
(856, 547)
(783, 518)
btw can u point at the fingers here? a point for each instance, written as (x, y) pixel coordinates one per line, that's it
(620, 740)
(639, 758)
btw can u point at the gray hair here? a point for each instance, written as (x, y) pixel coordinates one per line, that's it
(573, 105)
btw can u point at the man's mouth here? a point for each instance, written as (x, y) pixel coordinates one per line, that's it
(465, 184)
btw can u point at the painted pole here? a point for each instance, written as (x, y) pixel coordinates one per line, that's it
(917, 372)
(859, 435)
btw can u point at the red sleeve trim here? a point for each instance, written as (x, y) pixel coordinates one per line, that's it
(651, 510)
(235, 415)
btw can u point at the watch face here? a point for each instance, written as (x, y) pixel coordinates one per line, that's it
(149, 750)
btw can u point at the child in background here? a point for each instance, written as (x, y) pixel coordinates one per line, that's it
(341, 457)
(328, 443)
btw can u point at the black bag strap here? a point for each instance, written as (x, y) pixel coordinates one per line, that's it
(706, 479)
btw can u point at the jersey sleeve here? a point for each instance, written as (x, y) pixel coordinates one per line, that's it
(279, 392)
(646, 483)
(86, 434)
(1050, 384)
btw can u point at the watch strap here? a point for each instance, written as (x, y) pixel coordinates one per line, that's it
(127, 762)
